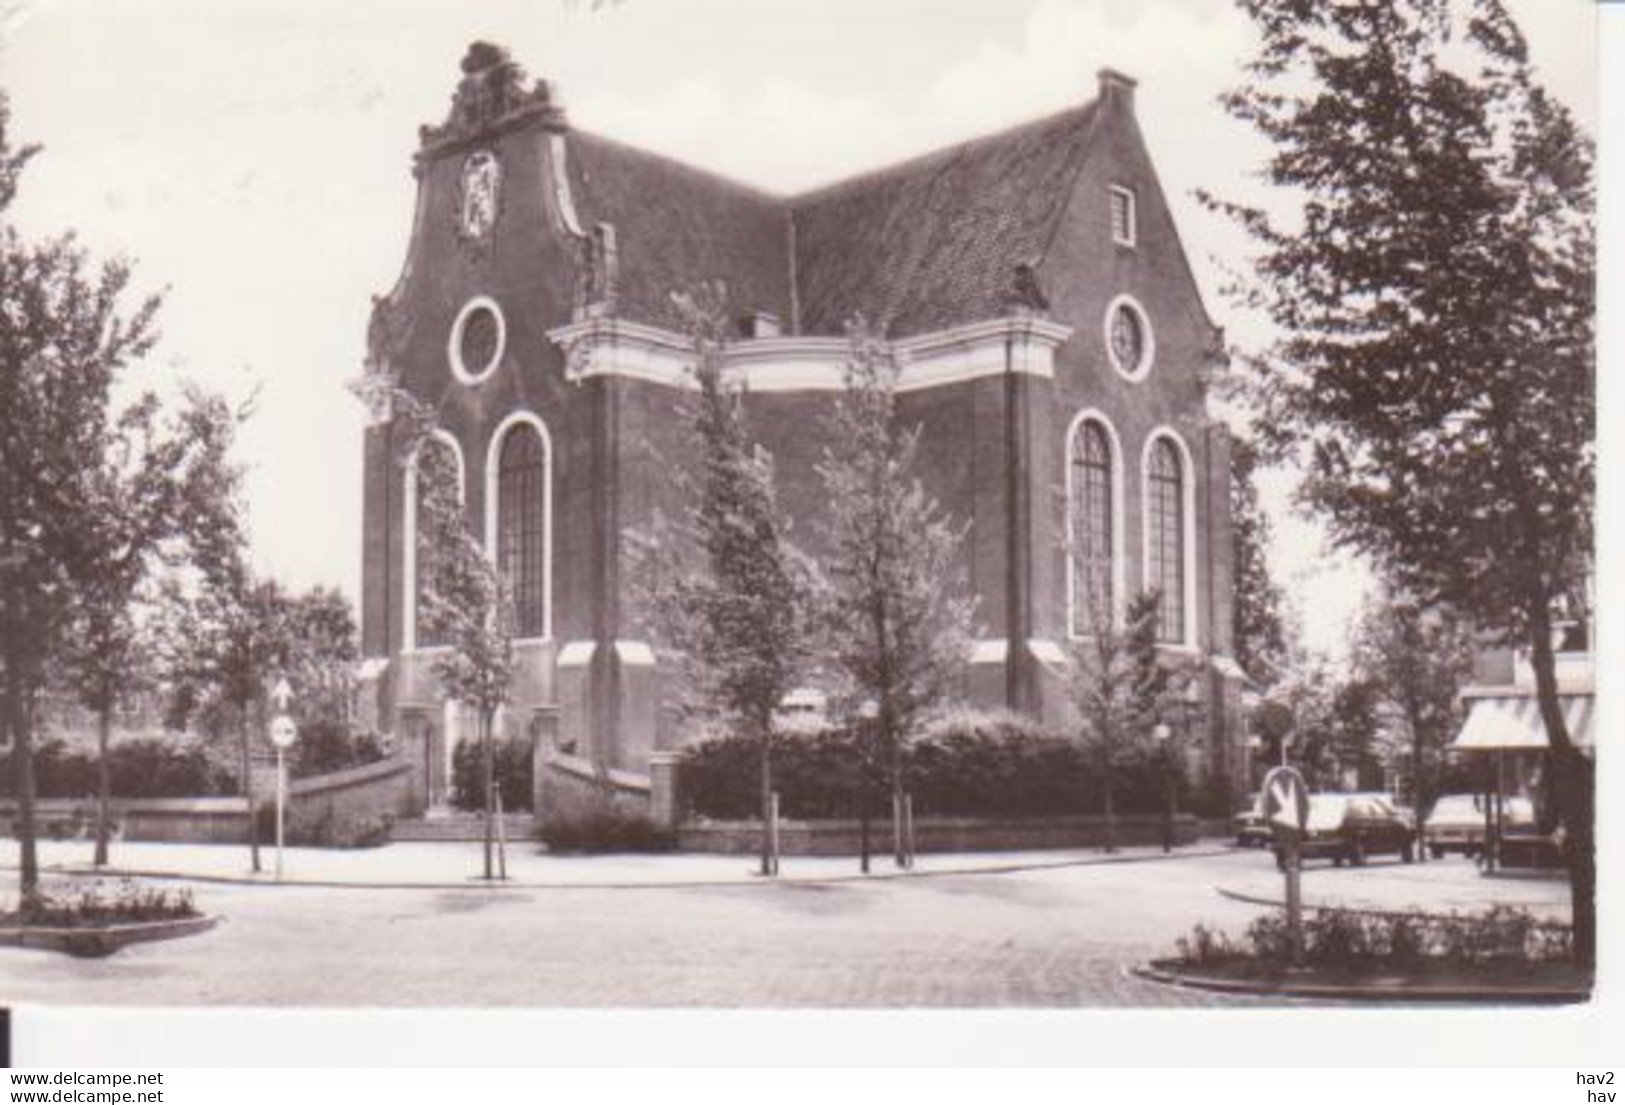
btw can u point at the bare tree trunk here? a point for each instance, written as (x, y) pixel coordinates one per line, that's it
(22, 757)
(1418, 792)
(865, 769)
(1110, 811)
(488, 772)
(770, 860)
(104, 782)
(899, 829)
(1574, 787)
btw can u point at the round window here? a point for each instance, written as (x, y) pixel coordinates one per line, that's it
(1128, 338)
(477, 340)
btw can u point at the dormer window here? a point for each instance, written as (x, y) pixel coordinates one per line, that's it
(1124, 230)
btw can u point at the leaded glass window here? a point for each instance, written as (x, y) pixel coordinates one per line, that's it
(1165, 557)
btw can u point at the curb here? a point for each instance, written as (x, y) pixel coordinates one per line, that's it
(751, 880)
(96, 943)
(1376, 992)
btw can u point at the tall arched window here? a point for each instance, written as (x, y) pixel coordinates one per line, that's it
(522, 526)
(437, 471)
(1091, 528)
(1165, 537)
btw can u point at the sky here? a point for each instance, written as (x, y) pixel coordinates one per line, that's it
(253, 157)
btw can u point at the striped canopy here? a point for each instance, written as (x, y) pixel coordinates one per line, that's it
(1512, 722)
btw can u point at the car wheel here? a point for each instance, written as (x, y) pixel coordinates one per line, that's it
(1437, 853)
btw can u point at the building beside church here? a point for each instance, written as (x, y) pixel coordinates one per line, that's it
(1055, 347)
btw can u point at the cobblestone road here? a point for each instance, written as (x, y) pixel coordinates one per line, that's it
(1060, 937)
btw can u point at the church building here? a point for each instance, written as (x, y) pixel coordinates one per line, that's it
(1032, 282)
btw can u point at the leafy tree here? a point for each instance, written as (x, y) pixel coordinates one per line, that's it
(1354, 731)
(895, 626)
(1418, 658)
(727, 591)
(1258, 629)
(227, 637)
(148, 485)
(465, 601)
(1435, 288)
(1121, 689)
(65, 338)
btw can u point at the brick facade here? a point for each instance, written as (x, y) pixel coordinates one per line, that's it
(996, 287)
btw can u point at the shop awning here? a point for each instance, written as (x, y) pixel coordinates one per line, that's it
(1512, 722)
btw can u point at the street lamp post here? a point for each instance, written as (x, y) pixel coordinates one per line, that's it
(1163, 735)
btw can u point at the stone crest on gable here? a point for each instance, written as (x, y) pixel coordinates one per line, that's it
(490, 96)
(480, 195)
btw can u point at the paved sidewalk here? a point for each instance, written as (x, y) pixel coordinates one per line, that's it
(459, 864)
(1440, 886)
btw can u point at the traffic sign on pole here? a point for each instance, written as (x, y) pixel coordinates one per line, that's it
(1286, 800)
(283, 733)
(1286, 811)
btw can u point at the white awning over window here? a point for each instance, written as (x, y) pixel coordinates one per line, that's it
(1513, 723)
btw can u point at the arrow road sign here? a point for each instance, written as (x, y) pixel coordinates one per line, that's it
(1286, 799)
(282, 694)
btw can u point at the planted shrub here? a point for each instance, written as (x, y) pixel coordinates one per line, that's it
(143, 767)
(153, 768)
(604, 831)
(965, 765)
(1358, 939)
(515, 770)
(326, 746)
(58, 772)
(326, 828)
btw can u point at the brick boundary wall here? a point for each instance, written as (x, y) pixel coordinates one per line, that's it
(933, 834)
(373, 789)
(568, 787)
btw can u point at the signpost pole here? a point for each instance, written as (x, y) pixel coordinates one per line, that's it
(281, 804)
(1286, 807)
(283, 733)
(1294, 901)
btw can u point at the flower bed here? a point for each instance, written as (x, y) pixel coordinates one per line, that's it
(1503, 954)
(90, 922)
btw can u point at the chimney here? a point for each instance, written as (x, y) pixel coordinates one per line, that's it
(1116, 89)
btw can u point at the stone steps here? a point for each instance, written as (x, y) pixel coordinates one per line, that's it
(462, 827)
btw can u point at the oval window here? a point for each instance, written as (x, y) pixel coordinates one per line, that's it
(477, 340)
(1128, 338)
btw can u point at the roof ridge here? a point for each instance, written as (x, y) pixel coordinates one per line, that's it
(679, 163)
(1080, 159)
(952, 151)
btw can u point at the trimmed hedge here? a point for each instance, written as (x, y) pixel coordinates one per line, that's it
(515, 769)
(327, 746)
(326, 829)
(969, 765)
(605, 831)
(144, 767)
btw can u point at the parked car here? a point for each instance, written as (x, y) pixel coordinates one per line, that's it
(1456, 823)
(1252, 831)
(1350, 827)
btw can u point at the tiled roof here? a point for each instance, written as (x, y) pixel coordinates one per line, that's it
(918, 246)
(676, 226)
(935, 241)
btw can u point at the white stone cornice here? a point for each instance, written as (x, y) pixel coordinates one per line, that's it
(616, 347)
(376, 390)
